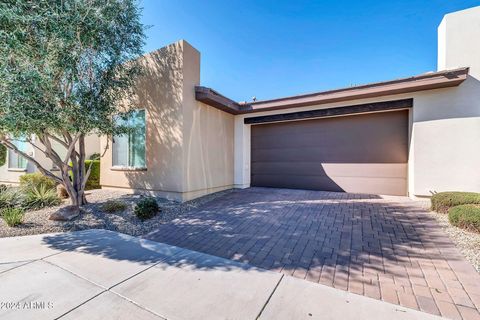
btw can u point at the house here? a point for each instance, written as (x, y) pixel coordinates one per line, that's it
(16, 166)
(412, 137)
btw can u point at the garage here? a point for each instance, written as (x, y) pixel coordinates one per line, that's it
(362, 153)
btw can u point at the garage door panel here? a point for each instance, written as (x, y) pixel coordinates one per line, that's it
(392, 170)
(366, 185)
(357, 153)
(329, 126)
(313, 140)
(362, 153)
(293, 182)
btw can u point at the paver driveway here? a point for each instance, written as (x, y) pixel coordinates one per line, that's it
(387, 248)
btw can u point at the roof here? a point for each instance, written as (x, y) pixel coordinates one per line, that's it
(427, 81)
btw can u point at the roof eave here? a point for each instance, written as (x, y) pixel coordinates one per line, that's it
(429, 81)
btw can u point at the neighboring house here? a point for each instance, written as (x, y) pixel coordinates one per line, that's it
(16, 165)
(412, 136)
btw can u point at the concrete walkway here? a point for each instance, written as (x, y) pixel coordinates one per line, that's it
(98, 274)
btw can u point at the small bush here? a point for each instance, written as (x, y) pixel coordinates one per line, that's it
(36, 179)
(12, 216)
(10, 197)
(146, 208)
(443, 201)
(3, 155)
(112, 206)
(93, 181)
(37, 197)
(465, 216)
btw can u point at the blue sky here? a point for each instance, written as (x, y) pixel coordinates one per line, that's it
(271, 49)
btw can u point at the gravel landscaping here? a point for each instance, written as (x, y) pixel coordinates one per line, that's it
(467, 242)
(93, 217)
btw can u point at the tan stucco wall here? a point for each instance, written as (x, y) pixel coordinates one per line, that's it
(207, 137)
(159, 92)
(189, 150)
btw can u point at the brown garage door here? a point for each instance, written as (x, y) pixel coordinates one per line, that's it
(360, 153)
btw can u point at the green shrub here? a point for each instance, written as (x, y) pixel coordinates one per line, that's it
(36, 179)
(37, 197)
(146, 208)
(93, 181)
(3, 155)
(12, 216)
(95, 156)
(112, 206)
(442, 201)
(465, 216)
(10, 197)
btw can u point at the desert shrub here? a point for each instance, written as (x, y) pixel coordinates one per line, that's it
(146, 208)
(93, 181)
(36, 179)
(40, 196)
(442, 201)
(112, 206)
(466, 216)
(12, 216)
(10, 197)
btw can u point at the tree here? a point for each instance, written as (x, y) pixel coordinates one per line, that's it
(65, 67)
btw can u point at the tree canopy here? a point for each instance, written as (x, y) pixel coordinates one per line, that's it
(65, 65)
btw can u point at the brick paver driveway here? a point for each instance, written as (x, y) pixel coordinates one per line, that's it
(389, 249)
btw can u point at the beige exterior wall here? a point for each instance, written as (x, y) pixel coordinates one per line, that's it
(189, 150)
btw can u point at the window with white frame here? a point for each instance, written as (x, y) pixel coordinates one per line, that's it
(129, 149)
(16, 161)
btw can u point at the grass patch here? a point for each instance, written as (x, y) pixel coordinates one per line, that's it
(443, 201)
(112, 206)
(12, 216)
(465, 216)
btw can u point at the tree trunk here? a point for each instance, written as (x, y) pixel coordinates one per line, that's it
(74, 184)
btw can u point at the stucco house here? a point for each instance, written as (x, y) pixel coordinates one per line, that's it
(16, 166)
(413, 136)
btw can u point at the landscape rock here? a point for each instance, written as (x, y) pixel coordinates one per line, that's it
(65, 214)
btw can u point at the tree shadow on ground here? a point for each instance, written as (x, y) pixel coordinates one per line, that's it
(299, 232)
(120, 247)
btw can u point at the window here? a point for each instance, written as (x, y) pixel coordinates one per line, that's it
(129, 149)
(16, 161)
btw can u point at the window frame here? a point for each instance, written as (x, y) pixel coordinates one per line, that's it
(128, 167)
(10, 152)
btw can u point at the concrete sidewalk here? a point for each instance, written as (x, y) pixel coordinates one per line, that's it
(98, 274)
